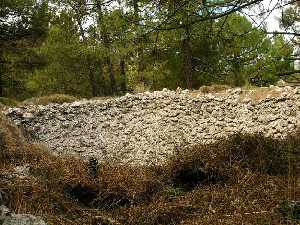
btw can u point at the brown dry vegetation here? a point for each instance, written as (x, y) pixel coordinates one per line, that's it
(255, 94)
(55, 98)
(241, 180)
(8, 101)
(213, 88)
(261, 93)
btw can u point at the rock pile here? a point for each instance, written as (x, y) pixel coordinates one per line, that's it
(146, 127)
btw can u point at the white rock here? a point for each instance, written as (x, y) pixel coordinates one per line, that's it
(135, 127)
(28, 116)
(76, 104)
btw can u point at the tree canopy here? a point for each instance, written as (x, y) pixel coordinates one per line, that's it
(106, 47)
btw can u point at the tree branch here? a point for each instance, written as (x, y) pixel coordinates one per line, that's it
(283, 74)
(211, 17)
(285, 33)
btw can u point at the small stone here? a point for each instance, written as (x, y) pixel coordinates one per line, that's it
(28, 116)
(4, 211)
(178, 90)
(281, 83)
(76, 104)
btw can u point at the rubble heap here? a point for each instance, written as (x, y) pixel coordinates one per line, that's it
(146, 127)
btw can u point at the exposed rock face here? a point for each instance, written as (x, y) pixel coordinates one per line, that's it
(146, 127)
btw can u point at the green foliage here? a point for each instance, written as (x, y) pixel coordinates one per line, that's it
(8, 101)
(89, 50)
(290, 209)
(24, 25)
(289, 18)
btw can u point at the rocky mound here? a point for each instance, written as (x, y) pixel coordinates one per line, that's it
(147, 127)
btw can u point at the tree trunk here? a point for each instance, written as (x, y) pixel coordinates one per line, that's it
(93, 83)
(102, 90)
(1, 85)
(123, 75)
(136, 11)
(106, 42)
(238, 76)
(187, 62)
(111, 75)
(139, 43)
(1, 76)
(91, 75)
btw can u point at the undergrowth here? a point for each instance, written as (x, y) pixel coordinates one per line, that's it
(8, 102)
(55, 98)
(241, 180)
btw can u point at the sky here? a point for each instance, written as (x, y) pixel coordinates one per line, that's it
(271, 15)
(272, 20)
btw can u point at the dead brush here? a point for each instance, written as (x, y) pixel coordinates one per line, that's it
(13, 146)
(126, 186)
(239, 180)
(158, 212)
(214, 88)
(54, 98)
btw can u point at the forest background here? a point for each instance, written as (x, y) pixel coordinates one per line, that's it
(90, 48)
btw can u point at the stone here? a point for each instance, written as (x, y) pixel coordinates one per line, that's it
(281, 83)
(135, 126)
(75, 104)
(28, 116)
(4, 211)
(9, 218)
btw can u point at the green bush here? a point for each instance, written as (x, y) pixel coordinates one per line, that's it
(8, 101)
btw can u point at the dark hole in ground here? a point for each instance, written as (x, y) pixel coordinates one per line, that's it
(85, 195)
(193, 175)
(93, 197)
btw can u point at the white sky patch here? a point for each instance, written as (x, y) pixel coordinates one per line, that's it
(266, 14)
(273, 19)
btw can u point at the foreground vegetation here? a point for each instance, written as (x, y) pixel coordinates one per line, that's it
(246, 179)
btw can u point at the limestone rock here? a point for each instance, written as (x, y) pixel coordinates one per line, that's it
(9, 218)
(146, 127)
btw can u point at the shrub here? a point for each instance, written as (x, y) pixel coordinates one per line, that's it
(12, 143)
(56, 98)
(264, 154)
(213, 88)
(127, 185)
(290, 209)
(8, 101)
(239, 180)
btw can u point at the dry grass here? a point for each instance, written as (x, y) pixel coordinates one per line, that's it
(104, 98)
(217, 88)
(258, 94)
(55, 98)
(240, 180)
(254, 94)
